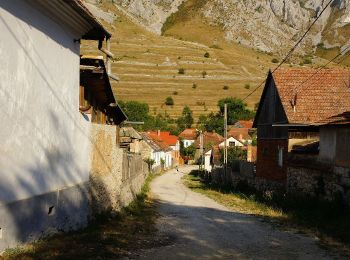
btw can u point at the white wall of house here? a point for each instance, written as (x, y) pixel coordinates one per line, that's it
(207, 165)
(188, 143)
(231, 142)
(44, 139)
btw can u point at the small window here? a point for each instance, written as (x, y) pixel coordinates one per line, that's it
(280, 157)
(232, 144)
(265, 151)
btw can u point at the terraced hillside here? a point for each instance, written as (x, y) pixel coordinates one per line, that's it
(153, 67)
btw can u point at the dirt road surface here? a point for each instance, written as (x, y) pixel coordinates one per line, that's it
(196, 227)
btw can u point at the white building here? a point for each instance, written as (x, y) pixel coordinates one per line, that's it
(45, 145)
(188, 137)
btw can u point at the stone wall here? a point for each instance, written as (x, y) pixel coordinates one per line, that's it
(330, 183)
(116, 177)
(315, 180)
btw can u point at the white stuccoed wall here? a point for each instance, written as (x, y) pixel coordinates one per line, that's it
(44, 140)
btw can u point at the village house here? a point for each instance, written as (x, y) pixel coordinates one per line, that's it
(287, 115)
(52, 140)
(188, 137)
(158, 150)
(172, 141)
(210, 140)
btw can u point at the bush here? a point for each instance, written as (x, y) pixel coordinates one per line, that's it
(206, 55)
(247, 86)
(169, 101)
(215, 46)
(194, 86)
(175, 93)
(274, 60)
(182, 71)
(225, 88)
(307, 61)
(204, 74)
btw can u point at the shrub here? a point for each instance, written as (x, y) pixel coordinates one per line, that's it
(225, 88)
(175, 93)
(204, 74)
(169, 101)
(206, 55)
(200, 103)
(274, 60)
(307, 61)
(247, 86)
(182, 71)
(194, 86)
(215, 46)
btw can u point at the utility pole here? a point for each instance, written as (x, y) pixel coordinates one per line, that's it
(201, 148)
(225, 136)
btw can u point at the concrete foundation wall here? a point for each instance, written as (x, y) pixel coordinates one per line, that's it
(30, 219)
(116, 177)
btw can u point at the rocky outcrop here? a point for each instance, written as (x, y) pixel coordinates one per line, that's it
(271, 25)
(267, 25)
(152, 13)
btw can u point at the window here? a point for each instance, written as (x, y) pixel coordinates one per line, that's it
(280, 156)
(265, 151)
(232, 144)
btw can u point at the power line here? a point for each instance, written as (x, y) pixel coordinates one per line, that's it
(291, 50)
(324, 66)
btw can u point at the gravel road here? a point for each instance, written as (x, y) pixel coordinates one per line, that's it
(196, 227)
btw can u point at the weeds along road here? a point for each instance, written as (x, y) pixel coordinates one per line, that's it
(196, 227)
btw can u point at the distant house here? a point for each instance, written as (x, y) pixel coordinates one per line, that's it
(248, 124)
(45, 142)
(241, 135)
(292, 103)
(160, 150)
(151, 150)
(172, 141)
(210, 139)
(188, 136)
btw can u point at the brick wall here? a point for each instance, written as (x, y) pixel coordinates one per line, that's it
(267, 159)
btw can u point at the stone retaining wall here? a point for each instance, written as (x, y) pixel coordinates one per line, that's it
(116, 177)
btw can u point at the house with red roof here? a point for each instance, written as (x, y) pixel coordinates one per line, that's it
(293, 103)
(188, 136)
(172, 141)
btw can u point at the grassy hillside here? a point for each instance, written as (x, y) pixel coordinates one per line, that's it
(153, 67)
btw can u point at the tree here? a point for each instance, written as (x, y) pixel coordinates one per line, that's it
(186, 120)
(169, 101)
(236, 110)
(150, 162)
(134, 110)
(213, 122)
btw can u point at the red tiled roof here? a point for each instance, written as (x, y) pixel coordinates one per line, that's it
(161, 143)
(166, 137)
(239, 133)
(318, 94)
(244, 124)
(209, 139)
(189, 134)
